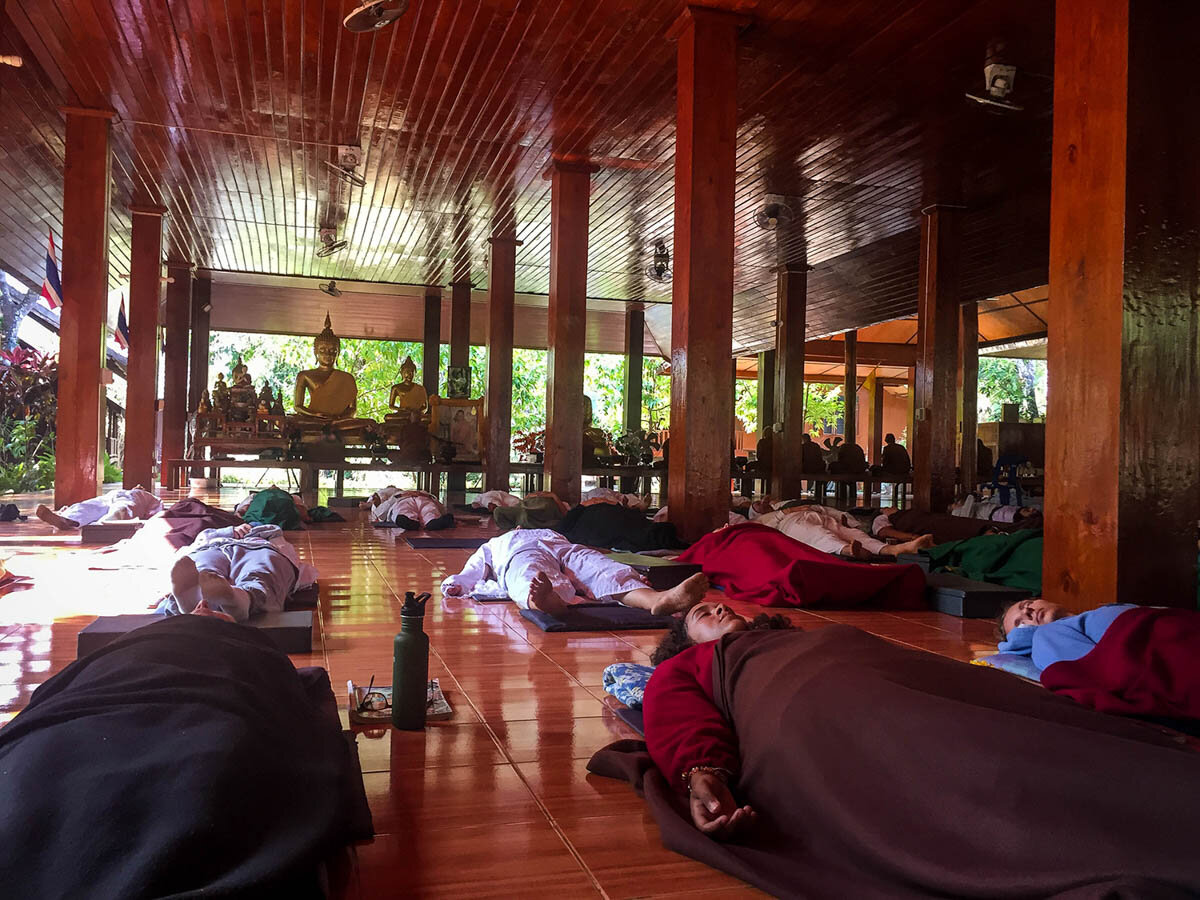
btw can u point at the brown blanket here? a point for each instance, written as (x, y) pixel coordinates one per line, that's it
(884, 772)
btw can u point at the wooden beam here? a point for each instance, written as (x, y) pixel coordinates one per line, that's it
(87, 175)
(570, 190)
(460, 323)
(199, 350)
(702, 289)
(791, 291)
(635, 343)
(875, 392)
(431, 341)
(1122, 467)
(968, 394)
(141, 391)
(178, 321)
(850, 388)
(870, 353)
(497, 398)
(766, 390)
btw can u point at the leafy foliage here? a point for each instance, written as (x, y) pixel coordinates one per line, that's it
(28, 403)
(1020, 381)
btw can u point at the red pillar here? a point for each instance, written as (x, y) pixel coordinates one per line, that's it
(569, 195)
(460, 357)
(791, 291)
(702, 289)
(141, 393)
(431, 344)
(497, 399)
(80, 421)
(936, 413)
(874, 393)
(1122, 467)
(968, 393)
(178, 321)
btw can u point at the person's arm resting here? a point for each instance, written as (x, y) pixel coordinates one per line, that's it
(475, 571)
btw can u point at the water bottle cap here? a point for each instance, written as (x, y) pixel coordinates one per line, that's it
(414, 605)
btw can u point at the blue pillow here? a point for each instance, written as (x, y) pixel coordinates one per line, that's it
(627, 682)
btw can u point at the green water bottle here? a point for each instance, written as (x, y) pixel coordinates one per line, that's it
(410, 665)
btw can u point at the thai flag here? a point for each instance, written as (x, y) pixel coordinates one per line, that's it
(121, 334)
(51, 289)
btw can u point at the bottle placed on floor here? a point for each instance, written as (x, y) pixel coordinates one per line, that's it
(410, 665)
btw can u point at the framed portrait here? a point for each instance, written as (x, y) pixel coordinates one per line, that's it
(458, 382)
(457, 421)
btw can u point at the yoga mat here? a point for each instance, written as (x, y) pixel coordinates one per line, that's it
(305, 599)
(435, 543)
(488, 599)
(596, 617)
(633, 718)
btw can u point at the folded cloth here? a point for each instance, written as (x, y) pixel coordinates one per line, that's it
(1011, 559)
(1014, 663)
(627, 682)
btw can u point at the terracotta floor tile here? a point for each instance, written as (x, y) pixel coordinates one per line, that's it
(568, 789)
(558, 741)
(449, 797)
(438, 745)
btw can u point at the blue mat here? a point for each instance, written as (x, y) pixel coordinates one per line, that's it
(596, 617)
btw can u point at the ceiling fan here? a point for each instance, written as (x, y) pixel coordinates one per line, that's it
(331, 289)
(999, 79)
(374, 15)
(772, 213)
(329, 243)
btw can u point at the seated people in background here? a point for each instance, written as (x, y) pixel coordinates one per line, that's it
(240, 571)
(119, 506)
(895, 460)
(542, 509)
(539, 568)
(757, 564)
(850, 460)
(607, 495)
(408, 509)
(828, 735)
(834, 531)
(489, 500)
(811, 458)
(1121, 658)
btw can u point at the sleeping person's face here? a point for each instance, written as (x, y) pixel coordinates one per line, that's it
(1034, 611)
(708, 621)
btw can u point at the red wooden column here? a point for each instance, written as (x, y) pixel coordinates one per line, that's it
(936, 413)
(968, 393)
(702, 289)
(874, 448)
(80, 422)
(497, 399)
(850, 388)
(177, 323)
(431, 342)
(1122, 467)
(460, 357)
(141, 392)
(569, 194)
(791, 292)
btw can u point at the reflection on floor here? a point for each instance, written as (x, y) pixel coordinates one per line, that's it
(494, 802)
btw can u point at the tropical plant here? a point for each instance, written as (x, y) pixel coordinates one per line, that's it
(1019, 381)
(28, 403)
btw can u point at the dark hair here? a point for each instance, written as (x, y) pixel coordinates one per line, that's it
(889, 439)
(1001, 634)
(676, 640)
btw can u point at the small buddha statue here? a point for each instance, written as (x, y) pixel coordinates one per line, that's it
(241, 374)
(326, 396)
(595, 441)
(408, 400)
(265, 398)
(220, 393)
(205, 405)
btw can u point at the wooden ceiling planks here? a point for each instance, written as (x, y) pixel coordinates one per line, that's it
(230, 111)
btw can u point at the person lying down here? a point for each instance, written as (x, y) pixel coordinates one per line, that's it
(410, 510)
(833, 531)
(540, 569)
(858, 768)
(235, 573)
(118, 506)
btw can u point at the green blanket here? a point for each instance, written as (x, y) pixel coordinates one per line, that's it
(1010, 559)
(273, 507)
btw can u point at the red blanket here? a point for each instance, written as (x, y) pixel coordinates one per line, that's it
(761, 565)
(1146, 663)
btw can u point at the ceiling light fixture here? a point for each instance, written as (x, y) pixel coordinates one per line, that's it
(660, 269)
(374, 15)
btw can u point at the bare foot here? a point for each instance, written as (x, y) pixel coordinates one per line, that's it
(542, 596)
(855, 551)
(185, 583)
(682, 597)
(50, 517)
(921, 543)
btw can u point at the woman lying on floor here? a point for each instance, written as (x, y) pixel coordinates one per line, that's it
(540, 568)
(832, 531)
(236, 572)
(118, 506)
(187, 758)
(847, 766)
(1121, 658)
(761, 565)
(409, 510)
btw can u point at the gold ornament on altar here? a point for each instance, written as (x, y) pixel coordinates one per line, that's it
(220, 393)
(408, 400)
(205, 403)
(327, 396)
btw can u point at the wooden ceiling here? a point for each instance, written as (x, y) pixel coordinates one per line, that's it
(229, 111)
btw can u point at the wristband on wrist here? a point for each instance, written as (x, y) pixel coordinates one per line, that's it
(720, 773)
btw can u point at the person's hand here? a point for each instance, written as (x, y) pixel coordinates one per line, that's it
(240, 531)
(453, 590)
(714, 811)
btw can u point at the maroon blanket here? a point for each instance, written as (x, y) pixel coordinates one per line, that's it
(187, 518)
(879, 771)
(761, 565)
(1146, 663)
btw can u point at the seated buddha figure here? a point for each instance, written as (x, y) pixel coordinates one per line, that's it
(326, 396)
(408, 400)
(595, 441)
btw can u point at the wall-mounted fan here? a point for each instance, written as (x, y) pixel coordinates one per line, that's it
(349, 157)
(331, 289)
(999, 79)
(773, 212)
(374, 14)
(660, 269)
(330, 244)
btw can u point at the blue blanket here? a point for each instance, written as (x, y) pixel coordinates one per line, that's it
(627, 682)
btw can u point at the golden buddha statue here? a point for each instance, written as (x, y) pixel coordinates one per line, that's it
(408, 400)
(220, 393)
(332, 395)
(595, 441)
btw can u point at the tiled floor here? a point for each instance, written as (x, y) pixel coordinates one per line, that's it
(497, 800)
